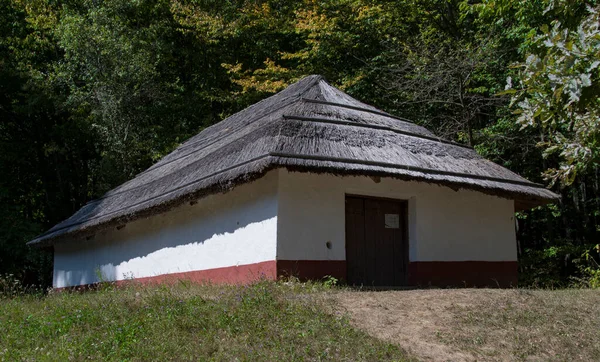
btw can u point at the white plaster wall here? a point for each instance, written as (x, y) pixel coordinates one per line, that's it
(235, 228)
(444, 225)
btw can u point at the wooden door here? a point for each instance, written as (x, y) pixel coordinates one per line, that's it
(376, 241)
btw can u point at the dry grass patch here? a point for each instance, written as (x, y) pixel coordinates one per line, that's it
(482, 324)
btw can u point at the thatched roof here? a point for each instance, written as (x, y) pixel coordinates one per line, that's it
(310, 127)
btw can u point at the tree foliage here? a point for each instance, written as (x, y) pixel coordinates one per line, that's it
(559, 91)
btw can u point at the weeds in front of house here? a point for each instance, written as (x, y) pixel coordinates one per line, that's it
(330, 281)
(11, 287)
(263, 321)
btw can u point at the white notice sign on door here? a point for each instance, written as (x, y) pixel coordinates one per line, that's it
(392, 221)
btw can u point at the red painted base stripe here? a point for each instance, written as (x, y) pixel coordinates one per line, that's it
(241, 274)
(463, 273)
(312, 269)
(430, 273)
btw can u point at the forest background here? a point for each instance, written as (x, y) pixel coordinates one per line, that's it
(93, 92)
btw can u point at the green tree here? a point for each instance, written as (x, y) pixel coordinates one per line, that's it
(558, 90)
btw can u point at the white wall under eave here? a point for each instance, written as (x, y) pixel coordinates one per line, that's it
(235, 228)
(444, 225)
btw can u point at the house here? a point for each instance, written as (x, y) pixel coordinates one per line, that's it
(309, 182)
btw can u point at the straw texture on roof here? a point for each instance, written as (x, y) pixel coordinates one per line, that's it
(309, 127)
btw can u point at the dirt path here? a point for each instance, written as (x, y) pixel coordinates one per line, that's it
(480, 324)
(415, 319)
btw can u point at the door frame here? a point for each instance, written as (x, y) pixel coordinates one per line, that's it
(404, 204)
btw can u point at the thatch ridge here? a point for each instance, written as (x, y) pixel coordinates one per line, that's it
(308, 127)
(373, 126)
(378, 112)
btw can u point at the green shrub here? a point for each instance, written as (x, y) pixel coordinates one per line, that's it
(591, 268)
(559, 266)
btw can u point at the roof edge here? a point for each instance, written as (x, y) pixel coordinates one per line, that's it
(314, 158)
(526, 201)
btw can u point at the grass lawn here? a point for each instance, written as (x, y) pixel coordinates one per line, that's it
(265, 321)
(297, 321)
